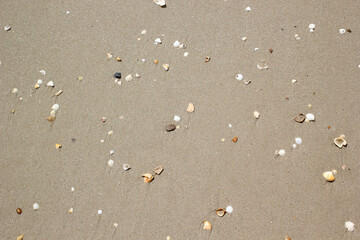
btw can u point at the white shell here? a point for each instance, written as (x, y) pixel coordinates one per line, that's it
(294, 146)
(342, 31)
(310, 117)
(248, 9)
(262, 65)
(7, 28)
(293, 80)
(116, 225)
(244, 39)
(55, 107)
(280, 152)
(112, 152)
(229, 209)
(72, 189)
(99, 212)
(52, 113)
(158, 41)
(111, 163)
(177, 118)
(182, 46)
(36, 206)
(349, 226)
(239, 77)
(312, 26)
(137, 75)
(42, 72)
(143, 32)
(126, 166)
(110, 132)
(161, 3)
(176, 44)
(50, 84)
(298, 141)
(128, 78)
(312, 30)
(39, 82)
(166, 67)
(186, 54)
(15, 90)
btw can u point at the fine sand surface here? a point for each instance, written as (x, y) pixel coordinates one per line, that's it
(272, 196)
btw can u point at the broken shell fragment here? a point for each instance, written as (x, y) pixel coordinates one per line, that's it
(235, 139)
(71, 210)
(280, 152)
(7, 28)
(300, 118)
(58, 93)
(58, 146)
(246, 82)
(310, 117)
(109, 55)
(52, 113)
(103, 119)
(118, 59)
(256, 114)
(220, 212)
(207, 225)
(126, 166)
(15, 90)
(287, 238)
(157, 41)
(36, 206)
(37, 86)
(158, 170)
(207, 59)
(128, 78)
(111, 163)
(166, 67)
(50, 84)
(148, 177)
(177, 118)
(20, 237)
(170, 127)
(176, 44)
(190, 108)
(262, 65)
(51, 118)
(55, 107)
(229, 209)
(350, 226)
(156, 61)
(239, 77)
(329, 176)
(340, 141)
(160, 3)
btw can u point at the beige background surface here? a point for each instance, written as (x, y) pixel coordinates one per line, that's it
(272, 197)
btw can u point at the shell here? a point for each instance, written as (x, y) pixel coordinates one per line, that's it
(190, 108)
(158, 170)
(103, 119)
(7, 28)
(157, 41)
(300, 118)
(340, 141)
(148, 177)
(298, 141)
(50, 84)
(37, 86)
(229, 209)
(166, 67)
(58, 146)
(310, 117)
(111, 163)
(207, 225)
(287, 238)
(280, 152)
(118, 59)
(18, 210)
(349, 226)
(239, 77)
(109, 55)
(170, 127)
(20, 237)
(55, 107)
(262, 65)
(156, 61)
(160, 3)
(51, 118)
(15, 90)
(36, 206)
(128, 78)
(80, 78)
(329, 176)
(256, 114)
(207, 59)
(235, 139)
(126, 166)
(177, 118)
(52, 113)
(176, 44)
(220, 212)
(246, 82)
(71, 210)
(58, 93)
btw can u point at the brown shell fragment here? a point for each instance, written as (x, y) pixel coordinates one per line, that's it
(207, 59)
(148, 177)
(207, 225)
(170, 127)
(220, 212)
(300, 118)
(235, 139)
(18, 210)
(158, 170)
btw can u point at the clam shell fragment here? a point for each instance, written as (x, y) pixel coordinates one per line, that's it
(220, 212)
(158, 170)
(207, 225)
(329, 176)
(190, 108)
(148, 177)
(262, 65)
(126, 167)
(300, 118)
(160, 3)
(340, 141)
(166, 67)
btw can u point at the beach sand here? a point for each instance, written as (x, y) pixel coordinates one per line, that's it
(272, 196)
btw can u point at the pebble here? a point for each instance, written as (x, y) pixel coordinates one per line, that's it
(244, 39)
(39, 81)
(248, 9)
(117, 75)
(7, 28)
(298, 141)
(176, 44)
(170, 127)
(71, 210)
(177, 118)
(294, 146)
(55, 107)
(342, 31)
(128, 78)
(50, 84)
(99, 212)
(350, 226)
(239, 77)
(18, 210)
(182, 46)
(229, 209)
(72, 189)
(111, 163)
(137, 75)
(20, 237)
(36, 206)
(157, 41)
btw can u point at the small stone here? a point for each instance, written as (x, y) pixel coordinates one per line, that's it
(207, 59)
(52, 113)
(110, 132)
(51, 118)
(143, 32)
(137, 75)
(72, 189)
(348, 30)
(170, 127)
(55, 107)
(112, 152)
(160, 3)
(176, 44)
(342, 31)
(36, 206)
(109, 55)
(128, 78)
(143, 60)
(80, 78)
(111, 163)
(256, 49)
(157, 41)
(297, 37)
(294, 146)
(248, 9)
(40, 82)
(18, 210)
(7, 28)
(177, 118)
(99, 212)
(182, 46)
(117, 75)
(118, 59)
(50, 84)
(223, 139)
(239, 77)
(271, 50)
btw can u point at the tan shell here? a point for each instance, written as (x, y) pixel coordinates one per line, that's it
(37, 86)
(256, 114)
(118, 59)
(58, 146)
(207, 225)
(166, 67)
(207, 59)
(58, 93)
(20, 237)
(51, 118)
(329, 176)
(158, 170)
(287, 238)
(148, 177)
(300, 118)
(156, 61)
(340, 141)
(220, 212)
(190, 108)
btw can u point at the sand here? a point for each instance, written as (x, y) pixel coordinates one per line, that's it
(272, 196)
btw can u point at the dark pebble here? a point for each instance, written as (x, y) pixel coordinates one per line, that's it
(170, 127)
(117, 75)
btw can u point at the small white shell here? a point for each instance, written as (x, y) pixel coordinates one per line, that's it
(294, 146)
(256, 114)
(239, 77)
(7, 28)
(72, 189)
(262, 65)
(158, 41)
(111, 163)
(298, 141)
(177, 118)
(116, 225)
(39, 81)
(186, 54)
(160, 3)
(244, 38)
(143, 32)
(176, 44)
(50, 84)
(36, 206)
(52, 113)
(112, 152)
(128, 78)
(229, 209)
(42, 72)
(15, 90)
(342, 31)
(350, 226)
(55, 107)
(99, 212)
(293, 80)
(312, 26)
(182, 46)
(248, 9)
(312, 30)
(126, 166)
(280, 152)
(310, 117)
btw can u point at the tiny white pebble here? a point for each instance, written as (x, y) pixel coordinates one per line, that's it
(256, 114)
(39, 82)
(229, 209)
(55, 107)
(298, 141)
(137, 75)
(342, 31)
(143, 60)
(186, 54)
(350, 226)
(176, 44)
(72, 189)
(102, 140)
(116, 225)
(111, 163)
(239, 77)
(293, 80)
(177, 118)
(312, 30)
(248, 9)
(280, 152)
(15, 90)
(230, 125)
(99, 212)
(143, 32)
(36, 206)
(110, 132)
(126, 166)
(112, 152)
(119, 82)
(67, 12)
(244, 39)
(71, 210)
(256, 49)
(294, 146)
(50, 84)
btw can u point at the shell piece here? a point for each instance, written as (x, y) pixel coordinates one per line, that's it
(220, 212)
(15, 90)
(170, 127)
(37, 86)
(239, 77)
(312, 26)
(229, 209)
(128, 78)
(111, 163)
(177, 118)
(109, 55)
(55, 107)
(58, 93)
(157, 41)
(190, 108)
(126, 167)
(20, 237)
(166, 67)
(329, 176)
(280, 152)
(118, 59)
(340, 141)
(156, 61)
(7, 28)
(71, 210)
(207, 59)
(300, 118)
(148, 177)
(207, 225)
(248, 9)
(298, 141)
(235, 139)
(287, 238)
(310, 117)
(256, 114)
(50, 84)
(58, 146)
(342, 31)
(176, 44)
(52, 113)
(158, 170)
(262, 65)
(51, 118)
(246, 82)
(160, 3)
(350, 226)
(36, 206)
